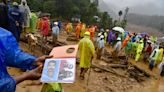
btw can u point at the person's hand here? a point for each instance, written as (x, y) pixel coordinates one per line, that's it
(40, 61)
(34, 74)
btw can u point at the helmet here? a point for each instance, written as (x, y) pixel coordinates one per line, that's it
(55, 23)
(87, 33)
(119, 39)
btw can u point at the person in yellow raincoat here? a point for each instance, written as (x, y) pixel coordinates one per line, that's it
(139, 50)
(52, 87)
(83, 30)
(86, 50)
(160, 55)
(78, 29)
(69, 28)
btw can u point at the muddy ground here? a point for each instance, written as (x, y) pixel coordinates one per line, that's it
(128, 80)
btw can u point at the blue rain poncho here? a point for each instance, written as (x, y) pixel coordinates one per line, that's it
(11, 55)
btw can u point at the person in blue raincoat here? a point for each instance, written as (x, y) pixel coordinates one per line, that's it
(15, 20)
(11, 55)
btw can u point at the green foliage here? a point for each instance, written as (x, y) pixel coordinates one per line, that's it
(106, 21)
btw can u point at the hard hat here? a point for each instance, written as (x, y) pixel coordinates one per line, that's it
(55, 23)
(119, 39)
(87, 33)
(15, 4)
(101, 36)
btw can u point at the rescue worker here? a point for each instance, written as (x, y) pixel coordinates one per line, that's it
(148, 50)
(83, 30)
(45, 27)
(153, 58)
(100, 47)
(128, 49)
(4, 20)
(33, 22)
(69, 28)
(78, 28)
(117, 47)
(134, 48)
(11, 55)
(86, 50)
(25, 10)
(15, 19)
(109, 37)
(160, 55)
(55, 32)
(161, 68)
(39, 24)
(125, 41)
(139, 50)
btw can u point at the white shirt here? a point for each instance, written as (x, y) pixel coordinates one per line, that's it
(117, 47)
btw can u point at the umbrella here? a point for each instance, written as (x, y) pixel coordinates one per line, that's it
(119, 29)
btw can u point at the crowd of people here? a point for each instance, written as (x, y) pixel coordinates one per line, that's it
(139, 46)
(17, 18)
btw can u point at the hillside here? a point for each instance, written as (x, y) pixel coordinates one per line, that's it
(156, 22)
(140, 29)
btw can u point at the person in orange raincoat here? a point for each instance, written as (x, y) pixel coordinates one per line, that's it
(125, 41)
(91, 29)
(69, 28)
(78, 29)
(39, 24)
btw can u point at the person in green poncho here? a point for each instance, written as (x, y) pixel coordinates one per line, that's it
(86, 51)
(33, 22)
(128, 48)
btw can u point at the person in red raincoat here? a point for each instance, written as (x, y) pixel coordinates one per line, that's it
(45, 27)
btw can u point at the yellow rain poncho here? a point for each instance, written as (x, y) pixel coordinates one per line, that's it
(69, 27)
(160, 56)
(86, 50)
(139, 50)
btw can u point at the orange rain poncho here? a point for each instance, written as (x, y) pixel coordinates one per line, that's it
(39, 24)
(125, 41)
(78, 29)
(92, 31)
(69, 27)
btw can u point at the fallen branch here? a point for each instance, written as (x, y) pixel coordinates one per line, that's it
(117, 66)
(108, 70)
